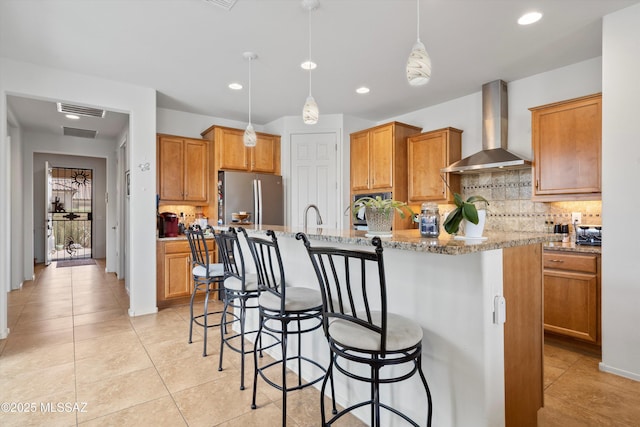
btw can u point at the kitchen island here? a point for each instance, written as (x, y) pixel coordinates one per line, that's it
(481, 372)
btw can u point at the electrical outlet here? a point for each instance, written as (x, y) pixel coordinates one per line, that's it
(576, 218)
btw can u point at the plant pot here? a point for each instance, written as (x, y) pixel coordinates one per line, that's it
(379, 221)
(474, 231)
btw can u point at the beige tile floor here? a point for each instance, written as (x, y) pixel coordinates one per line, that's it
(72, 342)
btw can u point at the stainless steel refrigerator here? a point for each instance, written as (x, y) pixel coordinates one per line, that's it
(261, 195)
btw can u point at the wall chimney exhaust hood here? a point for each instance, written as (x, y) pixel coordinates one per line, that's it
(494, 155)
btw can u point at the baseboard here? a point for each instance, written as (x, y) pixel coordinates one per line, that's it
(620, 372)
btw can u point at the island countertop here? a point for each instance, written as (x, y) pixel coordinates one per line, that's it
(411, 240)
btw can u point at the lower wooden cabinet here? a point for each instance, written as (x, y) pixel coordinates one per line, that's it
(174, 277)
(572, 295)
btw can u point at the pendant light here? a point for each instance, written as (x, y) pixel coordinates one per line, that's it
(419, 62)
(310, 111)
(249, 138)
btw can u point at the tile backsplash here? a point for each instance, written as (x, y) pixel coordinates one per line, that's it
(511, 208)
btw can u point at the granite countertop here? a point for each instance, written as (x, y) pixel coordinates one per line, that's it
(411, 240)
(572, 247)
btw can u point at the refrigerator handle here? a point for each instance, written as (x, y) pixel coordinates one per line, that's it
(260, 199)
(255, 201)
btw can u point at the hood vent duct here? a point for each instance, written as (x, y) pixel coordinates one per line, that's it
(494, 155)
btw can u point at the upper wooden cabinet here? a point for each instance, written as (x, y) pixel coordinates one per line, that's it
(379, 158)
(379, 163)
(183, 169)
(231, 153)
(427, 153)
(567, 146)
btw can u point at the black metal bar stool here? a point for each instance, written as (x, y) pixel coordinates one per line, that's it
(207, 277)
(352, 283)
(280, 306)
(239, 289)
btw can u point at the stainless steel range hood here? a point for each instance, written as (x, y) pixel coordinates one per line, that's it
(494, 155)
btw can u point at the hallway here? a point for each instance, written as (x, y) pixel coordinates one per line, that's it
(72, 342)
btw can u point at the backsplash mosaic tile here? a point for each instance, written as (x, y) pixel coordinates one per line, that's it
(511, 208)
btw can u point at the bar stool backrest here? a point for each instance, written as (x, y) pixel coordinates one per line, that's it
(231, 255)
(269, 267)
(353, 286)
(199, 250)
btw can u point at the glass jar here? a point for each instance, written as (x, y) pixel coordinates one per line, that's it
(429, 220)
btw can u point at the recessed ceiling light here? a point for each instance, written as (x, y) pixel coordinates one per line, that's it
(529, 18)
(72, 116)
(362, 90)
(308, 65)
(235, 86)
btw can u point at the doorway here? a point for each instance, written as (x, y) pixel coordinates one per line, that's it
(71, 213)
(314, 177)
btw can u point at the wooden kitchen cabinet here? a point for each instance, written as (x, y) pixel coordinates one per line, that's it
(427, 153)
(572, 295)
(567, 146)
(378, 157)
(231, 153)
(379, 163)
(183, 169)
(174, 276)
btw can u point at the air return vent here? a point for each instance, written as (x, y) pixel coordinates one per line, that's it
(81, 133)
(80, 110)
(225, 4)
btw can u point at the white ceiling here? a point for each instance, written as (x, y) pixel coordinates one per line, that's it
(190, 50)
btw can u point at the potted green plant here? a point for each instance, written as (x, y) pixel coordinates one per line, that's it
(379, 212)
(466, 210)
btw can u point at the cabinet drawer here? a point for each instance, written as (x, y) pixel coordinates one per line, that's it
(179, 247)
(572, 262)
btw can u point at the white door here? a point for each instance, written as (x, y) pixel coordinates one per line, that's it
(49, 236)
(314, 178)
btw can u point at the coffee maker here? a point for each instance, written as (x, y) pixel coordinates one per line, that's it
(168, 224)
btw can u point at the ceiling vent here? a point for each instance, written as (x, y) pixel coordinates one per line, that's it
(80, 133)
(225, 4)
(80, 110)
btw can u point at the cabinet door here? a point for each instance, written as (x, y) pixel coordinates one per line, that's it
(170, 168)
(177, 275)
(567, 148)
(426, 156)
(230, 150)
(571, 304)
(196, 178)
(265, 155)
(360, 161)
(381, 158)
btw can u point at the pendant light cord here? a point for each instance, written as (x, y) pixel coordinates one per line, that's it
(418, 19)
(310, 52)
(250, 60)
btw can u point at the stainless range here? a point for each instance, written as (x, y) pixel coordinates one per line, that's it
(588, 235)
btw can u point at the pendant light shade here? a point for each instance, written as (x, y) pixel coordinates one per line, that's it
(249, 138)
(310, 112)
(419, 62)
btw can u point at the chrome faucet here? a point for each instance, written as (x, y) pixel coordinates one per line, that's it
(306, 214)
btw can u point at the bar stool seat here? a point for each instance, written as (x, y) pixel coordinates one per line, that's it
(235, 284)
(297, 299)
(402, 332)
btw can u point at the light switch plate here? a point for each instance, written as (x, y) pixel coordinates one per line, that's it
(576, 218)
(499, 310)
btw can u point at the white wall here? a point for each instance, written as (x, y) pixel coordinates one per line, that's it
(34, 195)
(17, 220)
(23, 79)
(620, 201)
(191, 125)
